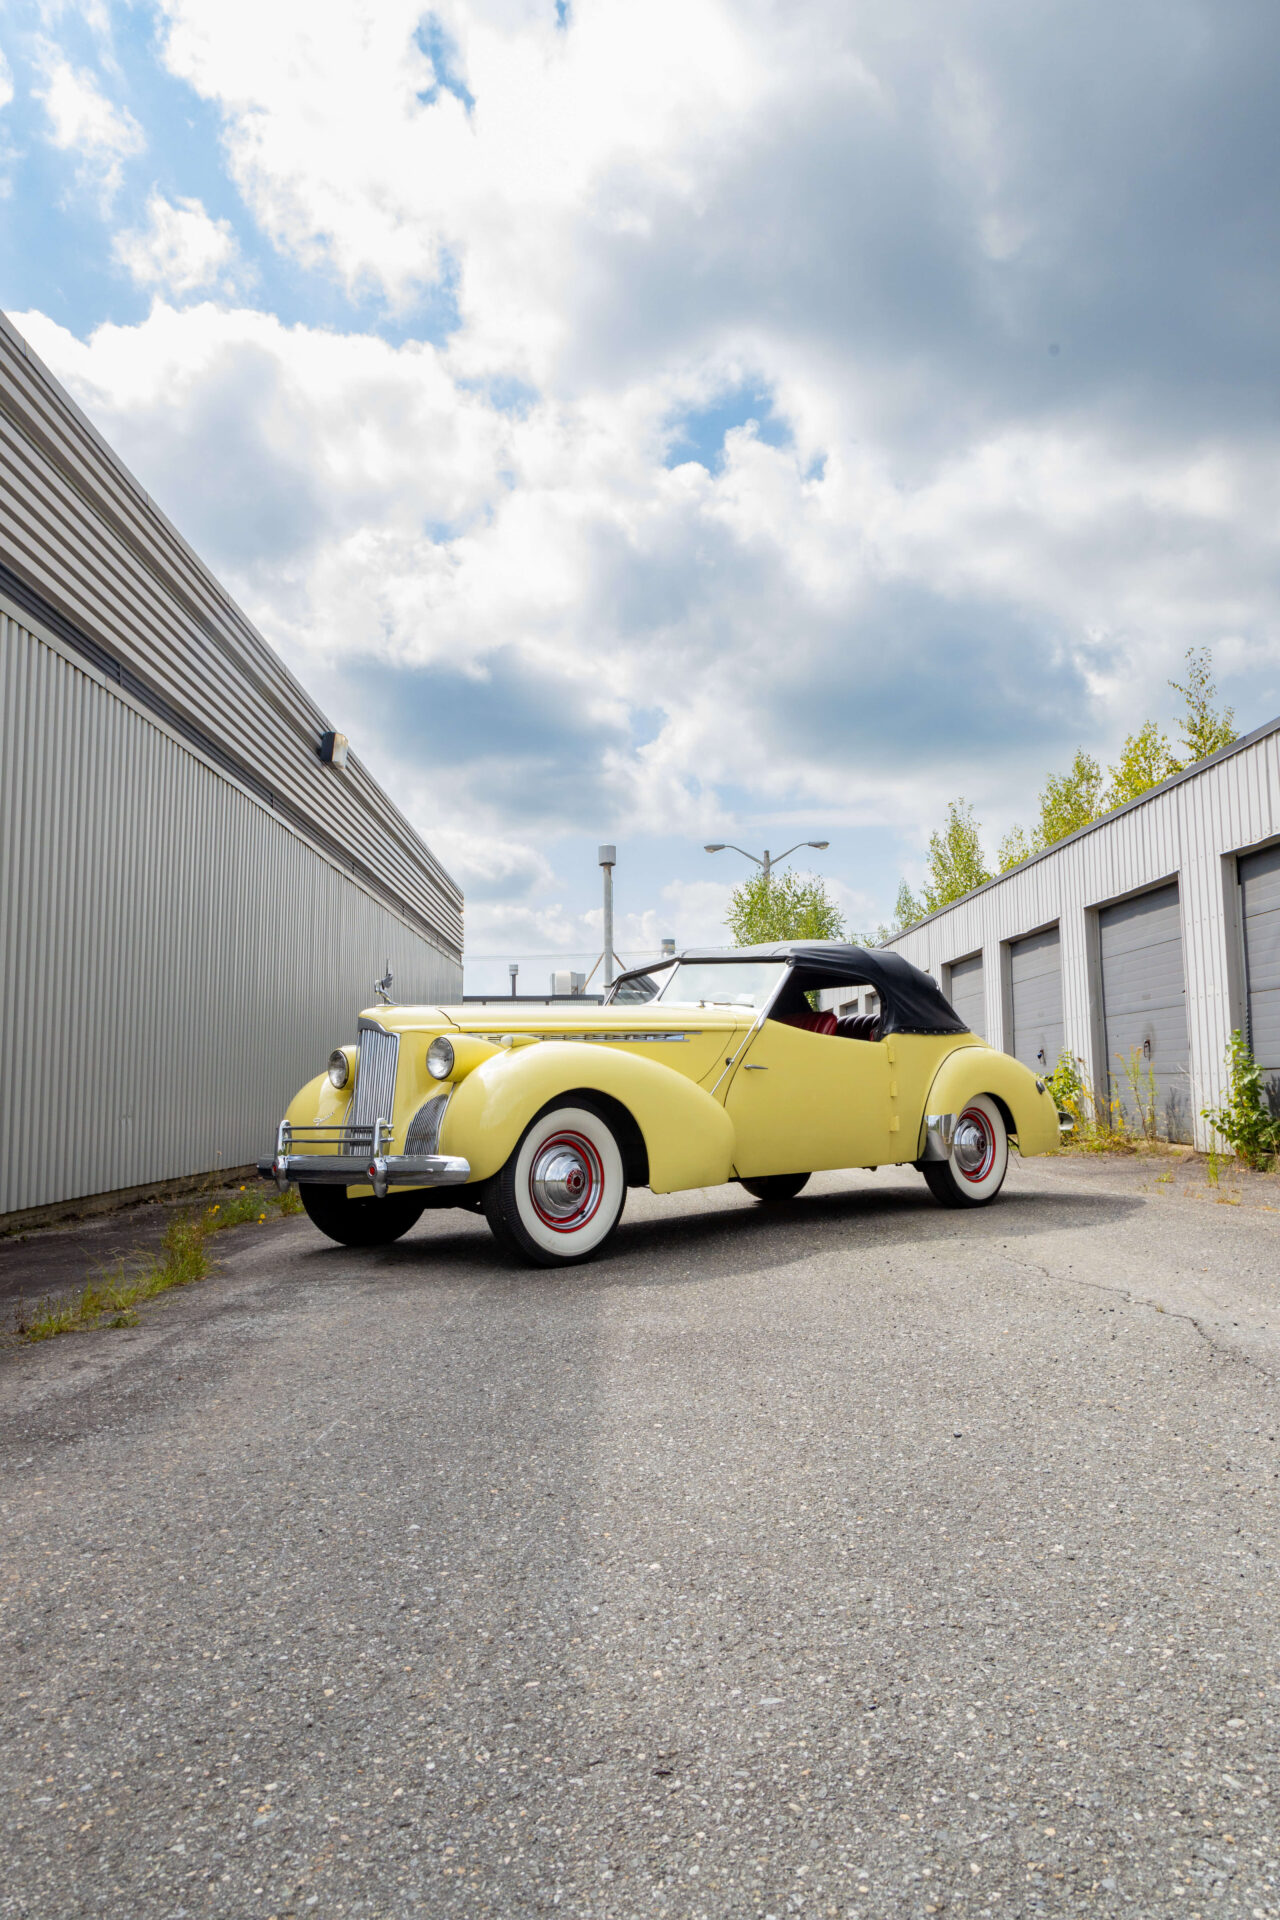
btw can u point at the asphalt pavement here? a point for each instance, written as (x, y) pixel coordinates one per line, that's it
(849, 1558)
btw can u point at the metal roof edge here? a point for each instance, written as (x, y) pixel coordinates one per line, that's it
(1192, 772)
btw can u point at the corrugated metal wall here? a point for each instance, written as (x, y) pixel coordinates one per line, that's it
(1189, 830)
(175, 960)
(76, 527)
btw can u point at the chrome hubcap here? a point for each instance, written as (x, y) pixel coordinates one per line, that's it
(970, 1145)
(561, 1181)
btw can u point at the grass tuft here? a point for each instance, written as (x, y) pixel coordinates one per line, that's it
(114, 1297)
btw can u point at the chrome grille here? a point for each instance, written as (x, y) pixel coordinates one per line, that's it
(375, 1077)
(424, 1130)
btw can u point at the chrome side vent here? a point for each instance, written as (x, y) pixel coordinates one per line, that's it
(375, 1077)
(424, 1129)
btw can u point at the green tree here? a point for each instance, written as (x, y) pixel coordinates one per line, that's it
(1013, 849)
(1070, 800)
(1204, 730)
(956, 865)
(782, 905)
(1145, 760)
(906, 910)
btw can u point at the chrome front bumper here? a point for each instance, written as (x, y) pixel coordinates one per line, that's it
(357, 1157)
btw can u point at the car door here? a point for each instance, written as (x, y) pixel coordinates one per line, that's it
(801, 1101)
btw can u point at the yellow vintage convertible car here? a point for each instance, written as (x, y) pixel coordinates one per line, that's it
(709, 1067)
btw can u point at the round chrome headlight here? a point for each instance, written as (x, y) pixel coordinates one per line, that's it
(440, 1058)
(339, 1068)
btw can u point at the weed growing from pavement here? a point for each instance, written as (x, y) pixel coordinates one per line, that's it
(114, 1298)
(1246, 1121)
(1099, 1123)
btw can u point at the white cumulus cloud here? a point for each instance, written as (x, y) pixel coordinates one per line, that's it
(84, 122)
(180, 248)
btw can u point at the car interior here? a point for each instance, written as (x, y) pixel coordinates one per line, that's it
(792, 1009)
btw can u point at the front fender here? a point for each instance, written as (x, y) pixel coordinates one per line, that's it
(973, 1070)
(688, 1135)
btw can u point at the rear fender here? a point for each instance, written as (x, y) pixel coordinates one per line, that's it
(969, 1071)
(688, 1136)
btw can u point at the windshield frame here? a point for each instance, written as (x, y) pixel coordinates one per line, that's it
(671, 967)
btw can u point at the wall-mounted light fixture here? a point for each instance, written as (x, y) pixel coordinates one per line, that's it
(333, 749)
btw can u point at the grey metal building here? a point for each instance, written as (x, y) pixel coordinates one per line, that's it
(1157, 929)
(192, 903)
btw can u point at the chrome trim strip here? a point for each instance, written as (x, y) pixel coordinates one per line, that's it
(598, 1039)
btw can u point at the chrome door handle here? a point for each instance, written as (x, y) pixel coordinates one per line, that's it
(755, 1069)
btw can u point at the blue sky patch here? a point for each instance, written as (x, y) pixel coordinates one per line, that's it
(700, 434)
(56, 236)
(434, 39)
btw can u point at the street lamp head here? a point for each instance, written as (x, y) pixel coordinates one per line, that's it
(716, 846)
(820, 844)
(607, 856)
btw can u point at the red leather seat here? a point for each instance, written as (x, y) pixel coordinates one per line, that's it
(810, 1022)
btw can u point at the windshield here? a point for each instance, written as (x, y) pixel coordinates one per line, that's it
(721, 983)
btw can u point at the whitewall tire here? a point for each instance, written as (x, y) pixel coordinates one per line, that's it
(560, 1195)
(973, 1173)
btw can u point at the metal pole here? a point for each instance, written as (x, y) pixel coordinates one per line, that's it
(513, 968)
(766, 863)
(607, 857)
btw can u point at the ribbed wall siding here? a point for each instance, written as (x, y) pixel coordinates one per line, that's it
(1190, 830)
(78, 530)
(175, 961)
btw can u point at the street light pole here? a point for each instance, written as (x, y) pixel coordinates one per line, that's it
(607, 856)
(770, 860)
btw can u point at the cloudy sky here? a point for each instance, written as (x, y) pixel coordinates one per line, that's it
(672, 422)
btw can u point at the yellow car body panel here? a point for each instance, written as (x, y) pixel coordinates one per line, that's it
(687, 1134)
(980, 1069)
(319, 1104)
(803, 1101)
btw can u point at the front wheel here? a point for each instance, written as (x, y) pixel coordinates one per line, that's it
(973, 1173)
(774, 1186)
(360, 1223)
(560, 1195)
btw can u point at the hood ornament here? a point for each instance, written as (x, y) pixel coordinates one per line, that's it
(383, 987)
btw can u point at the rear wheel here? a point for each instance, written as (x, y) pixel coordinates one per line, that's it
(774, 1186)
(973, 1173)
(360, 1223)
(560, 1195)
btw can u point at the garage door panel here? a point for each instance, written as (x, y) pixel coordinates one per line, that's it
(1145, 1004)
(968, 992)
(1142, 977)
(1035, 972)
(1260, 906)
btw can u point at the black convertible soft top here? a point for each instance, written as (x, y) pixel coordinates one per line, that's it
(910, 1001)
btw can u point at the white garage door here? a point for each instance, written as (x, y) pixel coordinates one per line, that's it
(1035, 966)
(1144, 1002)
(1260, 901)
(967, 992)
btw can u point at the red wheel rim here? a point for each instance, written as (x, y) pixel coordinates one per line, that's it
(566, 1181)
(975, 1118)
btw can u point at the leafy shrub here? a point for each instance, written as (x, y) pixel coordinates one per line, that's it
(1245, 1122)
